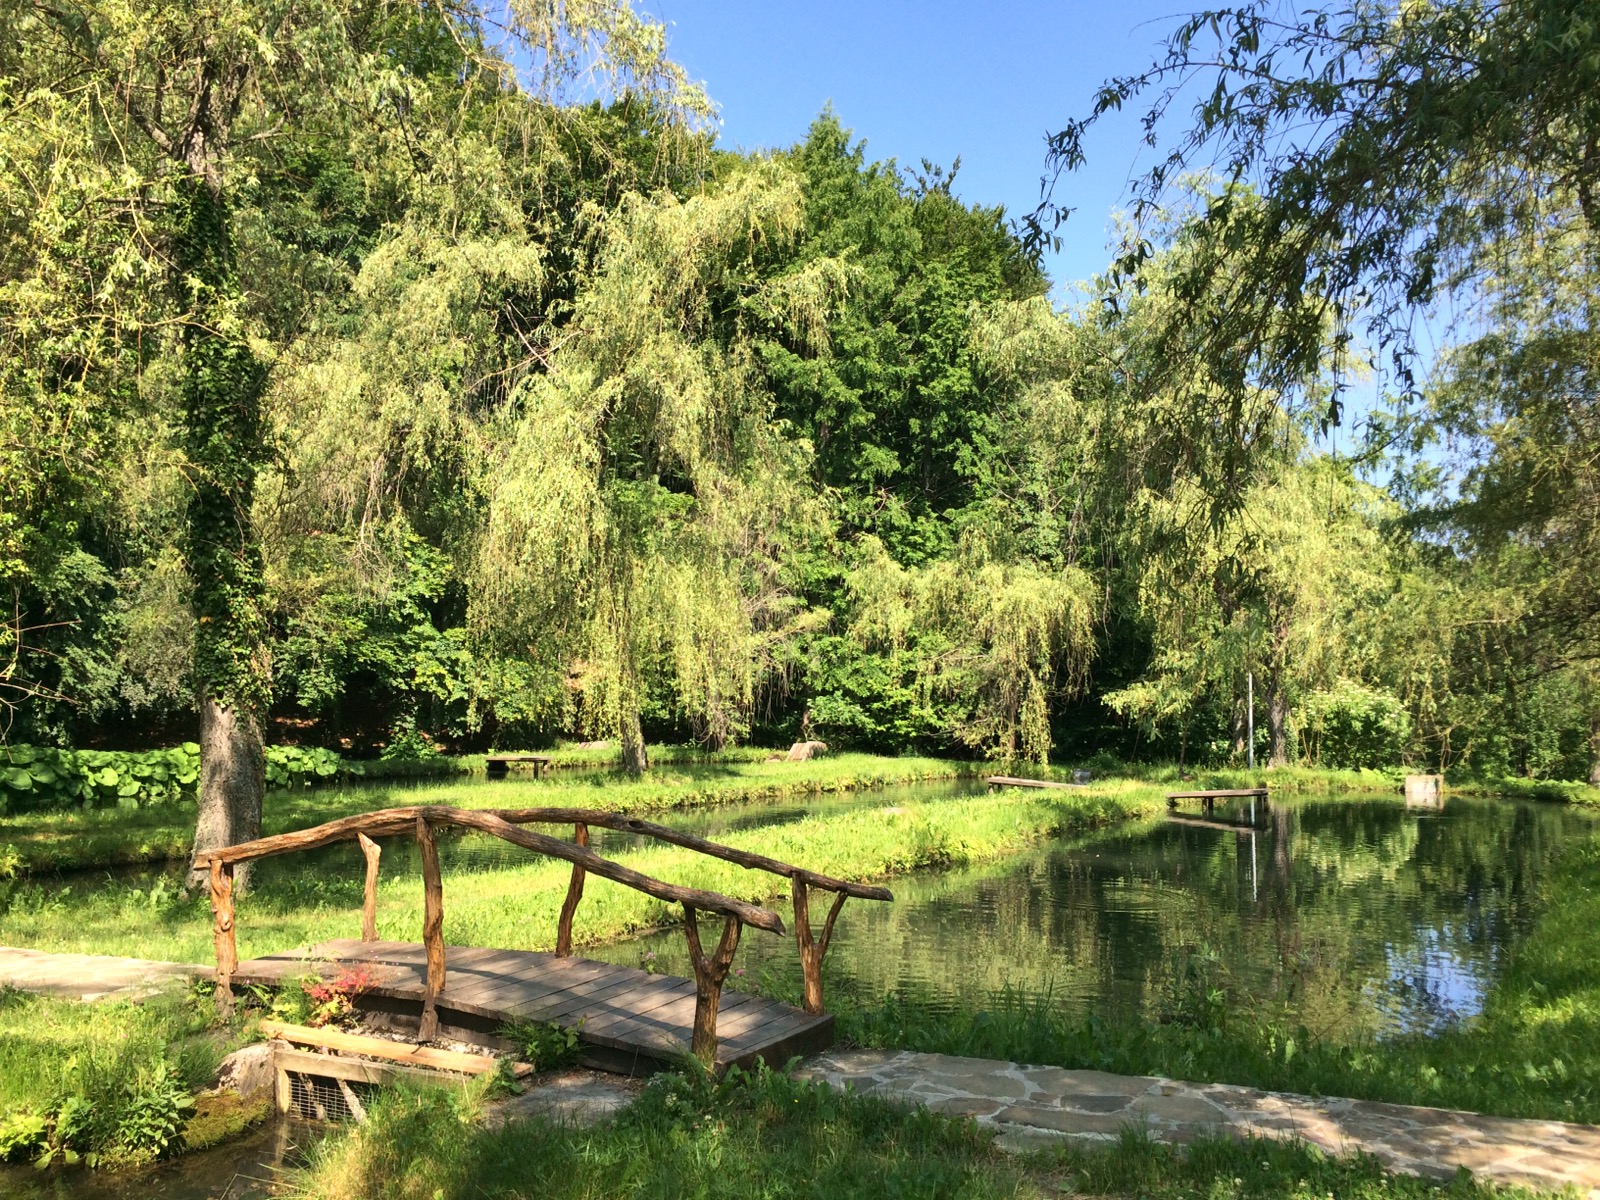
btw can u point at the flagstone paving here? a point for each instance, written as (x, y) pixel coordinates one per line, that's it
(88, 976)
(1033, 1106)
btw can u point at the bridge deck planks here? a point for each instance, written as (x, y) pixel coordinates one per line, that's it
(621, 1009)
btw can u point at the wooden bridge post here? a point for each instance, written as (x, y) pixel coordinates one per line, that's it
(811, 949)
(222, 936)
(432, 929)
(369, 902)
(580, 835)
(708, 976)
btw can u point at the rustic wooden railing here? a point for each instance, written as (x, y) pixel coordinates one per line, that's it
(710, 970)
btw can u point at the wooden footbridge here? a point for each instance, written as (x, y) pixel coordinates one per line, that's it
(628, 1019)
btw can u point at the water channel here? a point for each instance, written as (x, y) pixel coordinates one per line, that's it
(1356, 917)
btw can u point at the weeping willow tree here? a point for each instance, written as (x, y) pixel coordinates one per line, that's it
(994, 639)
(1278, 589)
(639, 495)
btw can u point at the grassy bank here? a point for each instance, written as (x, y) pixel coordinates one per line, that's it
(516, 907)
(111, 1081)
(35, 842)
(1534, 1052)
(767, 1135)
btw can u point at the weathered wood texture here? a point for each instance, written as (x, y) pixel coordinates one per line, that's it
(373, 1047)
(601, 819)
(625, 1018)
(423, 821)
(709, 973)
(392, 821)
(813, 949)
(569, 906)
(998, 781)
(222, 933)
(370, 850)
(1224, 794)
(432, 928)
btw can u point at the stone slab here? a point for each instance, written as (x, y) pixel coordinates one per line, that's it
(1029, 1107)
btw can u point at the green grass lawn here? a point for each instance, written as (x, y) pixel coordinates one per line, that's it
(31, 842)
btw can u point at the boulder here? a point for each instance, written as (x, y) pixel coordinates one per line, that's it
(801, 751)
(249, 1071)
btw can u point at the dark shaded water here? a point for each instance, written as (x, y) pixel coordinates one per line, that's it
(1355, 917)
(253, 1167)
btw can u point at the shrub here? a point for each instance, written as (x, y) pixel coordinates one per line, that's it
(41, 778)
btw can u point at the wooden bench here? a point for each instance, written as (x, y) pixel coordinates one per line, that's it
(498, 766)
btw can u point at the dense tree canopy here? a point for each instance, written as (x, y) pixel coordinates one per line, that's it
(367, 380)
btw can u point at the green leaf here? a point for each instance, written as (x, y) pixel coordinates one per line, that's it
(18, 779)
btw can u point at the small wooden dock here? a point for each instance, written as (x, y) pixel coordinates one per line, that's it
(498, 766)
(1208, 801)
(1000, 781)
(627, 1020)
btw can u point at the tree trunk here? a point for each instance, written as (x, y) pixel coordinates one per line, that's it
(1277, 720)
(232, 780)
(635, 755)
(221, 388)
(1241, 744)
(1594, 752)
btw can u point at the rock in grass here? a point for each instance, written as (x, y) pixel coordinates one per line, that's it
(802, 751)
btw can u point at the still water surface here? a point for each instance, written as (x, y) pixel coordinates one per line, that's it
(1355, 917)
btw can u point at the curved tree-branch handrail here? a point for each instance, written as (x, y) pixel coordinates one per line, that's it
(744, 858)
(403, 820)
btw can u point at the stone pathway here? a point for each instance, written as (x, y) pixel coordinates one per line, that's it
(88, 976)
(1033, 1106)
(579, 1098)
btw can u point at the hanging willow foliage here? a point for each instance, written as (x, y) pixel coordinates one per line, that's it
(998, 638)
(637, 504)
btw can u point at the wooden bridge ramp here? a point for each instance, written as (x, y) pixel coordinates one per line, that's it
(627, 1020)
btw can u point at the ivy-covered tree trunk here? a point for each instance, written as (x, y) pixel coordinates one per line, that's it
(222, 386)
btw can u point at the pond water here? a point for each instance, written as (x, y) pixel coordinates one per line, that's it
(253, 1167)
(1355, 917)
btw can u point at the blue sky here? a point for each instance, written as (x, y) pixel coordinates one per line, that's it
(935, 79)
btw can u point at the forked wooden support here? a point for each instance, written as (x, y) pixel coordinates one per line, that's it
(369, 903)
(812, 949)
(222, 936)
(709, 974)
(580, 836)
(432, 929)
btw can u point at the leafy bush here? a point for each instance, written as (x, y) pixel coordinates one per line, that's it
(1350, 725)
(41, 778)
(305, 766)
(543, 1045)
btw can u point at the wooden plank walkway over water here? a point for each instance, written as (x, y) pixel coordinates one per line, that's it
(628, 1020)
